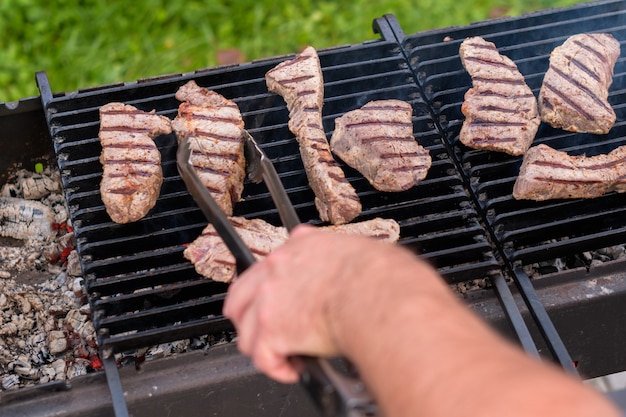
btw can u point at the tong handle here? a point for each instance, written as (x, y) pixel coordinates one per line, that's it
(334, 393)
(242, 253)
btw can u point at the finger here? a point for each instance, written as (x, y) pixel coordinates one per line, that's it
(247, 331)
(241, 293)
(302, 230)
(274, 365)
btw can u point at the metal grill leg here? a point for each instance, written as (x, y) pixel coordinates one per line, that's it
(115, 386)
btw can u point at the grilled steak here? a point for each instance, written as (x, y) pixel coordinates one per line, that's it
(213, 125)
(550, 174)
(500, 109)
(212, 259)
(132, 174)
(377, 140)
(575, 89)
(299, 81)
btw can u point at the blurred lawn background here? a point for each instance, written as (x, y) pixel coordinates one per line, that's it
(85, 43)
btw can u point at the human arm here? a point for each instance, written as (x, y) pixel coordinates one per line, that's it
(416, 346)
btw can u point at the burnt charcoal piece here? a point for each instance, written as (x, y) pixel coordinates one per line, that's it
(500, 109)
(575, 89)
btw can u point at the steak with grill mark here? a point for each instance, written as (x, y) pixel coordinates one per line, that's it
(547, 173)
(500, 109)
(575, 89)
(377, 140)
(299, 81)
(131, 162)
(212, 259)
(213, 125)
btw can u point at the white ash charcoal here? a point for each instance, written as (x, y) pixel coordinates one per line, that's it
(34, 301)
(73, 265)
(25, 219)
(77, 368)
(57, 342)
(8, 329)
(155, 352)
(10, 382)
(77, 287)
(5, 274)
(59, 369)
(58, 205)
(33, 186)
(23, 304)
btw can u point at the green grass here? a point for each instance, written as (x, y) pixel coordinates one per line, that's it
(85, 43)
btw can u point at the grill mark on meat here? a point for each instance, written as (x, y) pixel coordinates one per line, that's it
(221, 155)
(485, 46)
(506, 95)
(125, 112)
(366, 123)
(298, 59)
(307, 93)
(295, 79)
(566, 181)
(349, 196)
(210, 170)
(407, 168)
(210, 135)
(197, 116)
(130, 161)
(488, 139)
(583, 68)
(384, 138)
(391, 155)
(136, 172)
(491, 63)
(125, 129)
(489, 123)
(610, 164)
(127, 145)
(567, 100)
(589, 48)
(501, 109)
(499, 81)
(581, 87)
(377, 108)
(130, 190)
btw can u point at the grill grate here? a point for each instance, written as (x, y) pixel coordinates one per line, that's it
(526, 231)
(141, 288)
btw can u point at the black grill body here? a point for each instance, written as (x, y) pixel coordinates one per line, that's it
(461, 218)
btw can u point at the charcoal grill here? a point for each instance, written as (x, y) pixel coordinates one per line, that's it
(461, 218)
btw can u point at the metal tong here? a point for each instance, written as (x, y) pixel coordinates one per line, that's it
(334, 394)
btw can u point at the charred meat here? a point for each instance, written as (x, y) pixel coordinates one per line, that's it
(377, 140)
(212, 259)
(575, 89)
(547, 173)
(500, 109)
(213, 125)
(131, 162)
(299, 81)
